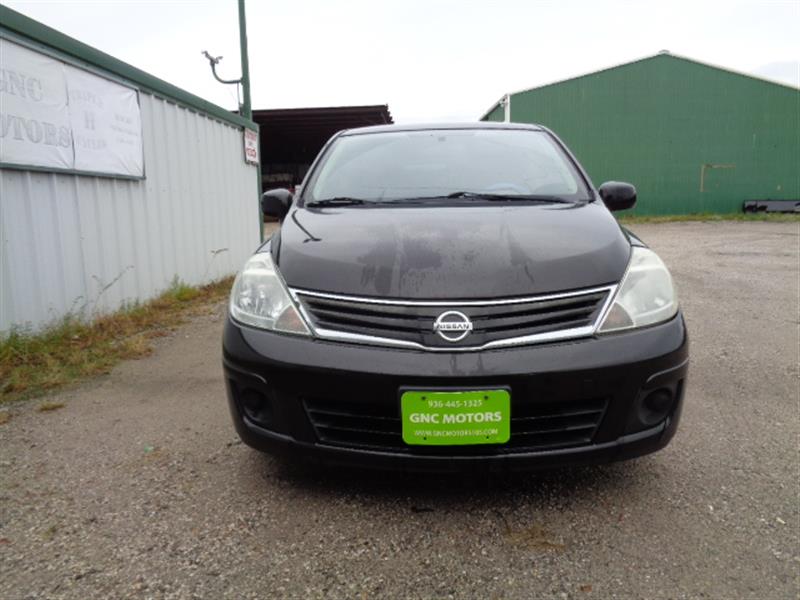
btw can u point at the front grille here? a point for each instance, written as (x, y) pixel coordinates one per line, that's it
(534, 426)
(494, 322)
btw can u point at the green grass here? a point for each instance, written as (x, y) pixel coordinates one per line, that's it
(772, 217)
(182, 292)
(74, 349)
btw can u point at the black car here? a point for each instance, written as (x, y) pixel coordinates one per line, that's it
(453, 296)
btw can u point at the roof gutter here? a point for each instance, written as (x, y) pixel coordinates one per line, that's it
(48, 38)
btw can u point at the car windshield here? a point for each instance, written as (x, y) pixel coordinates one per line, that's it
(460, 164)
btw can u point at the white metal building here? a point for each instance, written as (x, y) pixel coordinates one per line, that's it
(113, 183)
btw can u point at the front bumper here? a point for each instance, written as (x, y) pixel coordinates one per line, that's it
(286, 371)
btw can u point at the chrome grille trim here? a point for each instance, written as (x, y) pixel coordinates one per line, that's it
(446, 303)
(538, 338)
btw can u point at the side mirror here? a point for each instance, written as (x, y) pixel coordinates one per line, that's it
(617, 195)
(276, 203)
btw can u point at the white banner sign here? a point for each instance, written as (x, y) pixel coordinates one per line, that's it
(34, 119)
(55, 115)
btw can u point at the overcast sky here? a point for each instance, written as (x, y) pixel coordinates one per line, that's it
(430, 59)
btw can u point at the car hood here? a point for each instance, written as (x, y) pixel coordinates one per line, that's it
(462, 252)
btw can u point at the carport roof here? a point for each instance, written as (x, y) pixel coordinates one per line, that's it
(342, 117)
(297, 134)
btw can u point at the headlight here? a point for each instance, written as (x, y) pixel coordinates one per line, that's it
(259, 298)
(645, 296)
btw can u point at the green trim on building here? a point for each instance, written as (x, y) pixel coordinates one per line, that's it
(692, 137)
(27, 28)
(37, 169)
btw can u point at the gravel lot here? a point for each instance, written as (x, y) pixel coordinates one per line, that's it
(139, 487)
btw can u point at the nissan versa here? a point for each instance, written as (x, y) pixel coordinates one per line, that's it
(454, 296)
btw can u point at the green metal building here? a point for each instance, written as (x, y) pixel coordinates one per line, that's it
(691, 137)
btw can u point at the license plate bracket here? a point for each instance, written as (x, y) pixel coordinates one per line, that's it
(455, 417)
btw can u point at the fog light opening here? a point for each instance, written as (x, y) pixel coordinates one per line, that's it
(655, 406)
(257, 407)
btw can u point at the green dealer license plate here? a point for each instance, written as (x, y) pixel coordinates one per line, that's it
(456, 418)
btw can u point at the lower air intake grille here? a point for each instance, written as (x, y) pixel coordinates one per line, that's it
(534, 426)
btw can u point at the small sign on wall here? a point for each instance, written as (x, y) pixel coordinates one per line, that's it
(251, 147)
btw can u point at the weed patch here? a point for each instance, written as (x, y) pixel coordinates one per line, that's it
(73, 349)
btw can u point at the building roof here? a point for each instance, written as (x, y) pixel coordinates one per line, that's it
(661, 54)
(343, 117)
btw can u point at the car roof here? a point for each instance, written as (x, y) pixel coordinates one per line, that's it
(441, 126)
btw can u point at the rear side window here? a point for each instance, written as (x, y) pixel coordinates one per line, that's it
(407, 164)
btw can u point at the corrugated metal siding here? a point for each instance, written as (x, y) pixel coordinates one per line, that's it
(88, 245)
(655, 122)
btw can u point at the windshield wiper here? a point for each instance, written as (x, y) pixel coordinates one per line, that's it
(339, 201)
(504, 197)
